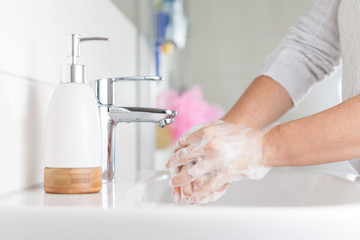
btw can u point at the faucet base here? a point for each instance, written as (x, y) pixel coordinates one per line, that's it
(72, 180)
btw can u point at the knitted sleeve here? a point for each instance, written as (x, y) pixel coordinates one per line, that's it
(308, 52)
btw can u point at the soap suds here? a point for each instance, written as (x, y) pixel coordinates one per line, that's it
(226, 152)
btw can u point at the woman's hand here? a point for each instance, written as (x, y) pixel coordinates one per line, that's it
(186, 190)
(210, 156)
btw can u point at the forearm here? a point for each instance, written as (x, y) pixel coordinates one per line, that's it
(329, 136)
(262, 103)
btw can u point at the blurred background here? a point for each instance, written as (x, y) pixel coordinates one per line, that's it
(221, 46)
(208, 51)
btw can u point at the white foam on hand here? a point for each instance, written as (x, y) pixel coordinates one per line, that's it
(212, 198)
(180, 142)
(226, 152)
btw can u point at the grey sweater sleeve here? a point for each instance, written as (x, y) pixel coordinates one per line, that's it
(308, 52)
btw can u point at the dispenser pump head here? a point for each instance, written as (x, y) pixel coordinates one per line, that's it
(74, 72)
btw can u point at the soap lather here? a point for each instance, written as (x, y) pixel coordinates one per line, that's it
(73, 152)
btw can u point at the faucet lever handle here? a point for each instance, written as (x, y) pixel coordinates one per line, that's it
(105, 90)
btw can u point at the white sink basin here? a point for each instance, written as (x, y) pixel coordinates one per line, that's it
(287, 188)
(286, 204)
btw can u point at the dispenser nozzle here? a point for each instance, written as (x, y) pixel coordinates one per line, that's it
(76, 73)
(74, 45)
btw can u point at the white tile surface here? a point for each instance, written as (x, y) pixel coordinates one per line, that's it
(33, 46)
(23, 106)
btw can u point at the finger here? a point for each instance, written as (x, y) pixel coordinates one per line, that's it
(195, 184)
(199, 169)
(211, 198)
(218, 194)
(223, 187)
(204, 167)
(206, 190)
(201, 181)
(193, 134)
(174, 170)
(185, 156)
(187, 190)
(181, 140)
(181, 179)
(194, 129)
(176, 193)
(193, 138)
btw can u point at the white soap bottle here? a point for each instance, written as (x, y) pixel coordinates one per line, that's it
(72, 136)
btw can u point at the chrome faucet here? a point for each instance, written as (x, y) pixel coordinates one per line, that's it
(111, 115)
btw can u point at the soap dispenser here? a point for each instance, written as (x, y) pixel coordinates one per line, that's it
(72, 134)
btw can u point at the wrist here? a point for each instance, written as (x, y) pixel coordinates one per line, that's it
(239, 119)
(271, 154)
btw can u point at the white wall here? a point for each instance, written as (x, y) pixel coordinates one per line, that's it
(33, 46)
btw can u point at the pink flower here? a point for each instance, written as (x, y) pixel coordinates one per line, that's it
(192, 109)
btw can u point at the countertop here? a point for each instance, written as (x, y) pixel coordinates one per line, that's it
(119, 212)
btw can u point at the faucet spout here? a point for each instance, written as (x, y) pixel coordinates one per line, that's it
(162, 117)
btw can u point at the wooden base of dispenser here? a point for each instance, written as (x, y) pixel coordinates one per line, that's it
(72, 180)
